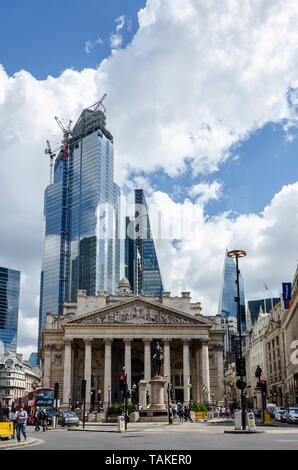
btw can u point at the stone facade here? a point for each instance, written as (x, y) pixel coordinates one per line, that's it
(95, 338)
(291, 347)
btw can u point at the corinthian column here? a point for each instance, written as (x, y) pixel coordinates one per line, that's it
(87, 370)
(67, 371)
(47, 365)
(220, 374)
(147, 361)
(205, 369)
(167, 364)
(186, 369)
(108, 369)
(127, 360)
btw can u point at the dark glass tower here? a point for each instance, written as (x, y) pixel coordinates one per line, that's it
(9, 308)
(81, 209)
(141, 264)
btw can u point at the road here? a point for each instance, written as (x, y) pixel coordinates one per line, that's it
(188, 436)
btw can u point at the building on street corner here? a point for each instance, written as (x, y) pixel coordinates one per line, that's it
(95, 337)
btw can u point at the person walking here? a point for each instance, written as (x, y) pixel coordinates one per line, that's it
(44, 420)
(13, 418)
(21, 416)
(37, 418)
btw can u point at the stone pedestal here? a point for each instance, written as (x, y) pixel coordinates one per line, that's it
(157, 385)
(142, 393)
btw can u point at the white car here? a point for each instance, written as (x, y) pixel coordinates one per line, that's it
(280, 414)
(293, 415)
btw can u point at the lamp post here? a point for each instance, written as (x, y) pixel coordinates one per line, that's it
(69, 402)
(189, 392)
(134, 395)
(125, 398)
(236, 254)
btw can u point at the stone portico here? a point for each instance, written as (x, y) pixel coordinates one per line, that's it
(94, 338)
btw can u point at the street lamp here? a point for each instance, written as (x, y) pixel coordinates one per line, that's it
(125, 398)
(99, 399)
(69, 402)
(236, 254)
(134, 401)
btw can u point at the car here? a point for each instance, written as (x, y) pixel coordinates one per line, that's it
(279, 414)
(293, 415)
(68, 418)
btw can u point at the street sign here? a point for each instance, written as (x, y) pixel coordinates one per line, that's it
(6, 428)
(200, 415)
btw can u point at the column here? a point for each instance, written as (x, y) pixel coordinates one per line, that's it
(87, 370)
(220, 375)
(198, 396)
(47, 365)
(186, 369)
(67, 371)
(147, 361)
(127, 360)
(205, 369)
(167, 364)
(108, 369)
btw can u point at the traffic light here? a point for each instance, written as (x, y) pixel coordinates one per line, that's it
(240, 367)
(83, 389)
(56, 391)
(264, 387)
(122, 384)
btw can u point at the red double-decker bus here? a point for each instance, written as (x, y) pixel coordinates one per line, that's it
(42, 397)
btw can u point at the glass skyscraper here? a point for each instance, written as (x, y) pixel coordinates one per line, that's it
(141, 264)
(227, 306)
(9, 308)
(81, 209)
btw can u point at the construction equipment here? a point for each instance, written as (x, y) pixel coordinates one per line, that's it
(100, 103)
(48, 151)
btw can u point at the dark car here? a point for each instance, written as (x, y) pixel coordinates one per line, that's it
(68, 418)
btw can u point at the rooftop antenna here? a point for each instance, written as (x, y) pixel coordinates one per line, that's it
(48, 151)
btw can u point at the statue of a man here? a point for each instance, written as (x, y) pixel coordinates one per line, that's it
(258, 373)
(157, 359)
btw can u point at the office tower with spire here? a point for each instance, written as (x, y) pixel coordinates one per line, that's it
(81, 210)
(141, 263)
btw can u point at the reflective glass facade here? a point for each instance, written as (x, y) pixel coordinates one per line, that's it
(142, 269)
(9, 308)
(82, 246)
(227, 305)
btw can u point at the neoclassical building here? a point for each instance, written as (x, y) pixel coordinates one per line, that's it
(97, 337)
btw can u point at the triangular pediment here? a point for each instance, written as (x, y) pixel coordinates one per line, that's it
(137, 311)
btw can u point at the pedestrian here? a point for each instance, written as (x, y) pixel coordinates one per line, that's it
(13, 418)
(187, 414)
(223, 412)
(37, 415)
(44, 419)
(175, 409)
(21, 423)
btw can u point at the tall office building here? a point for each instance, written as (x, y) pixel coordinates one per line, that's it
(141, 264)
(227, 306)
(9, 308)
(81, 209)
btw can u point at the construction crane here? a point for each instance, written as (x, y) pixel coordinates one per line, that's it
(67, 132)
(100, 103)
(48, 151)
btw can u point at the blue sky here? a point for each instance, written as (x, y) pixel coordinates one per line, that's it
(202, 103)
(45, 38)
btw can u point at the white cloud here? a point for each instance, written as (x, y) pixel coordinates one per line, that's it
(195, 263)
(205, 192)
(89, 45)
